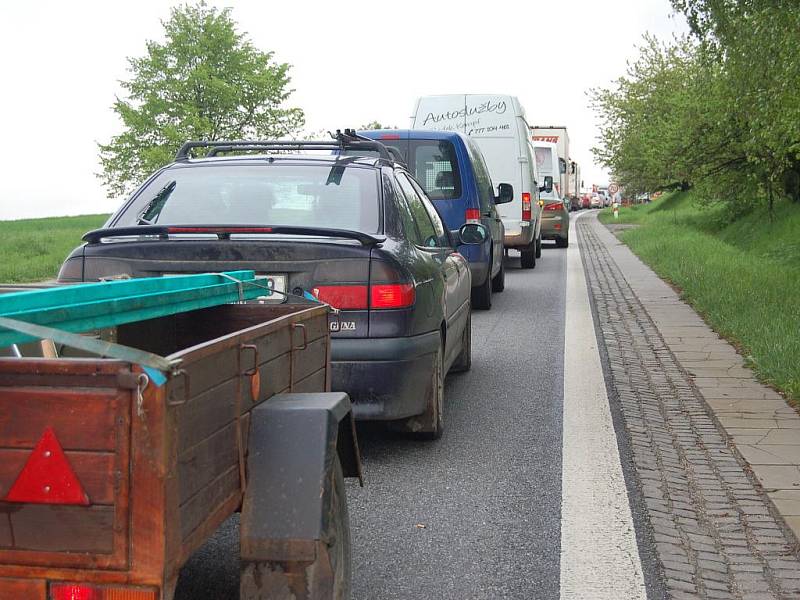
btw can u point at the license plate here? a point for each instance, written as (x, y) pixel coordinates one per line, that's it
(273, 282)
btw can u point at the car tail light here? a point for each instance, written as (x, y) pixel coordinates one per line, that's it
(75, 591)
(354, 297)
(557, 226)
(554, 206)
(392, 295)
(344, 297)
(526, 206)
(390, 136)
(473, 215)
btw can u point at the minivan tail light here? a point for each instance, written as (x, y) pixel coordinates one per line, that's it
(526, 206)
(554, 206)
(392, 295)
(473, 215)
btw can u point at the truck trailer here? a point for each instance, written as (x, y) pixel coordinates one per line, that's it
(556, 134)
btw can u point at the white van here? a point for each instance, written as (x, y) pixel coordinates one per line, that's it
(497, 124)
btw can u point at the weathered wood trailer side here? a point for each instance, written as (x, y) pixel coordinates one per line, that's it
(163, 462)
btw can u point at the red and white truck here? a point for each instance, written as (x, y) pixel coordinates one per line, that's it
(569, 183)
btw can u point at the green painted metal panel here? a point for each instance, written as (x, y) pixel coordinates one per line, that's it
(84, 307)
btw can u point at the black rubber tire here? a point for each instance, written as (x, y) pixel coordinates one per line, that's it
(464, 361)
(482, 295)
(267, 580)
(539, 246)
(339, 546)
(433, 419)
(499, 280)
(562, 242)
(527, 258)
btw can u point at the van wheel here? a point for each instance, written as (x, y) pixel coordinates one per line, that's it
(539, 246)
(528, 258)
(482, 295)
(562, 242)
(499, 280)
(464, 361)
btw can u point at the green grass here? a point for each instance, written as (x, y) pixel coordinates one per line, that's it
(33, 249)
(743, 276)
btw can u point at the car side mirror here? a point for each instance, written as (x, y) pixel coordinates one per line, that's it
(505, 193)
(548, 184)
(471, 234)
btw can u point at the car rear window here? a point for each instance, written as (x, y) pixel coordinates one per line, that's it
(325, 195)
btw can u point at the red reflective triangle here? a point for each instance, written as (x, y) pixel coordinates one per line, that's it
(47, 477)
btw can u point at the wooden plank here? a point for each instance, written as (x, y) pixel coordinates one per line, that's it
(208, 500)
(205, 414)
(309, 360)
(313, 383)
(83, 419)
(203, 463)
(54, 528)
(5, 530)
(94, 471)
(23, 589)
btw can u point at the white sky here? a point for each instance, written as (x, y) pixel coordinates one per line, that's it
(353, 62)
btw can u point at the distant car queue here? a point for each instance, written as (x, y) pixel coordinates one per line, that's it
(403, 232)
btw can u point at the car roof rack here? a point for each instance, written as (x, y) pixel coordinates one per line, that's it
(347, 140)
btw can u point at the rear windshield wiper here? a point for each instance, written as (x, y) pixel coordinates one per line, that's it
(225, 231)
(151, 210)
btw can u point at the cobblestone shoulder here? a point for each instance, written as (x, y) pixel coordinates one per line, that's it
(715, 532)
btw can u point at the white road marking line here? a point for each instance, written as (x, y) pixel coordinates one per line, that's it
(599, 556)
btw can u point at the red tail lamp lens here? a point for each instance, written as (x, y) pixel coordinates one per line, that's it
(344, 297)
(395, 295)
(473, 215)
(390, 136)
(74, 591)
(526, 206)
(554, 206)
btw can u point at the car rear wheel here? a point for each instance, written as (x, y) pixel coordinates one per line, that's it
(430, 424)
(499, 280)
(562, 242)
(528, 258)
(464, 361)
(482, 295)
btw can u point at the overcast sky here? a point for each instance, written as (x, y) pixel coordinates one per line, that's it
(353, 62)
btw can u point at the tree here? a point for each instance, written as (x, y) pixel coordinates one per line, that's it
(206, 81)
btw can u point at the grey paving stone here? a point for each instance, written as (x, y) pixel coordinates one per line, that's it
(712, 524)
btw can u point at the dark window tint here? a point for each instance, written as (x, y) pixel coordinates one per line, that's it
(438, 224)
(482, 178)
(430, 238)
(323, 195)
(435, 166)
(406, 218)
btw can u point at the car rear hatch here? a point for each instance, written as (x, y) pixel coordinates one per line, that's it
(349, 274)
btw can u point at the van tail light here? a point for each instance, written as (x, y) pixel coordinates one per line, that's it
(363, 297)
(473, 215)
(76, 591)
(526, 206)
(392, 295)
(554, 206)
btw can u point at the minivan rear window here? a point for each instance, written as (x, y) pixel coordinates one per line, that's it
(325, 195)
(433, 163)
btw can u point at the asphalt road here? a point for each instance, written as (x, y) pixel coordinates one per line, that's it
(477, 513)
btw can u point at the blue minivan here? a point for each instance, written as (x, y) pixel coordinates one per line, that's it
(451, 169)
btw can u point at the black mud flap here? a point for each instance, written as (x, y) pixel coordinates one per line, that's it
(294, 517)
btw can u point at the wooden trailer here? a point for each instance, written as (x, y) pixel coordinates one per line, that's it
(122, 456)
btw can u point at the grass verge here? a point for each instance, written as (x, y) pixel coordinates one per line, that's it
(33, 249)
(742, 277)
